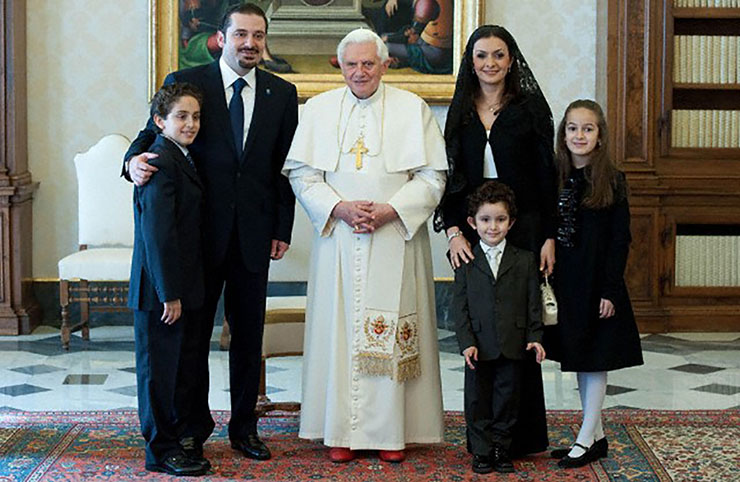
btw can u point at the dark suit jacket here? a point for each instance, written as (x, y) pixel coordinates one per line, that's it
(248, 194)
(498, 316)
(521, 142)
(167, 264)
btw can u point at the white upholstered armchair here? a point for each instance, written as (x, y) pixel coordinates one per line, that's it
(106, 237)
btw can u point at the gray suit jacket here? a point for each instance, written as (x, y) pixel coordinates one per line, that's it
(499, 315)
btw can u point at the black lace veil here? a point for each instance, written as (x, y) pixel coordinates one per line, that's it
(520, 86)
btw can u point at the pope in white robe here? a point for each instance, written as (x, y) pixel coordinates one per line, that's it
(368, 165)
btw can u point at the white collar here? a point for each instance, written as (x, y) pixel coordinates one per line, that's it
(492, 249)
(228, 76)
(180, 146)
(372, 100)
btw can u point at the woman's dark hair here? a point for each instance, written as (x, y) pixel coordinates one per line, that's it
(468, 86)
(520, 85)
(601, 174)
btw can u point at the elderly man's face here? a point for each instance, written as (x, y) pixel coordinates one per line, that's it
(362, 69)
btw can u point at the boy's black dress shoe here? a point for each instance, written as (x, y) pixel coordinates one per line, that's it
(194, 450)
(600, 447)
(482, 464)
(252, 447)
(501, 460)
(177, 464)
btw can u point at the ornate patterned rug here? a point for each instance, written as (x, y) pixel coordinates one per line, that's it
(644, 445)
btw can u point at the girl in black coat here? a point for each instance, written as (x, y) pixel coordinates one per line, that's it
(596, 330)
(499, 126)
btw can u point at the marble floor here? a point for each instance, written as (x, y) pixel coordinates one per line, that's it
(681, 372)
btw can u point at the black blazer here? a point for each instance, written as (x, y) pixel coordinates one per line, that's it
(248, 194)
(167, 263)
(521, 142)
(499, 315)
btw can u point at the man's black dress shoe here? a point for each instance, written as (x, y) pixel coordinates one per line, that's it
(252, 447)
(501, 460)
(585, 458)
(600, 447)
(194, 450)
(482, 464)
(177, 464)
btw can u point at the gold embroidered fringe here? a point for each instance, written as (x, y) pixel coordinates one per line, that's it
(378, 365)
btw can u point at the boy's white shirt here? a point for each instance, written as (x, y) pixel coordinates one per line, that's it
(501, 246)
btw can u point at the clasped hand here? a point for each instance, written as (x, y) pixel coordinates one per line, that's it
(364, 216)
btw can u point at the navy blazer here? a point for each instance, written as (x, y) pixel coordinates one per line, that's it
(167, 263)
(498, 315)
(248, 194)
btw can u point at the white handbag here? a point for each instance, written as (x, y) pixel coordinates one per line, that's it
(549, 304)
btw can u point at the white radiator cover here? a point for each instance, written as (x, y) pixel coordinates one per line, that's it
(712, 261)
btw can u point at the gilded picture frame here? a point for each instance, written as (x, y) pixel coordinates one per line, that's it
(435, 89)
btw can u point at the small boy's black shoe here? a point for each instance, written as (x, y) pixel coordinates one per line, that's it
(482, 464)
(501, 460)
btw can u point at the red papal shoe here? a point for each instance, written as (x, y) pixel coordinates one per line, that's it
(341, 455)
(393, 456)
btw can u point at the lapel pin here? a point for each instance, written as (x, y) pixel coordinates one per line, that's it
(267, 91)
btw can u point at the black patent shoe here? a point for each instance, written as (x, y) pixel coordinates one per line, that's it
(559, 453)
(600, 447)
(585, 458)
(194, 450)
(482, 464)
(501, 460)
(178, 465)
(252, 447)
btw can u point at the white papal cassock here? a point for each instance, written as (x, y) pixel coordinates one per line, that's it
(387, 274)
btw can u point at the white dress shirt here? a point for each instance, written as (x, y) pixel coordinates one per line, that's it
(494, 255)
(489, 165)
(228, 77)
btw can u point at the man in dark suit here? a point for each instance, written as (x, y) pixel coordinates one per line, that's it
(247, 124)
(498, 316)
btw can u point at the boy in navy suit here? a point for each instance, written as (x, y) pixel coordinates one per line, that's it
(497, 305)
(166, 284)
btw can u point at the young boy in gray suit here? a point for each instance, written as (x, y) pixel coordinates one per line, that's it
(498, 317)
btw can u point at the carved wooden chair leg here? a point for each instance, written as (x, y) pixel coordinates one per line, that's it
(225, 340)
(85, 309)
(64, 303)
(264, 404)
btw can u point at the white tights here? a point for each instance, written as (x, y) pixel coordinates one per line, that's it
(592, 389)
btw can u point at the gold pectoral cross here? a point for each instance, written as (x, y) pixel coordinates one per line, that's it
(359, 149)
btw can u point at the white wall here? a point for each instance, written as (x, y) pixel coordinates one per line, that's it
(87, 77)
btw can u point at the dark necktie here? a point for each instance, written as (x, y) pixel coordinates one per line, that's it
(190, 161)
(236, 112)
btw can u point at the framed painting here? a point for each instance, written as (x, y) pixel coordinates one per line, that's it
(426, 39)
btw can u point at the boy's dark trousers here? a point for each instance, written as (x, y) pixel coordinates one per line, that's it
(491, 403)
(158, 358)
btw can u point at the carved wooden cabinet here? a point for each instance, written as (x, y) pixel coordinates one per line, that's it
(19, 312)
(674, 128)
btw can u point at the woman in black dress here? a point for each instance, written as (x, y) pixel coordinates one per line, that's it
(499, 126)
(596, 330)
